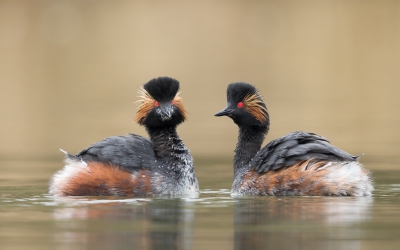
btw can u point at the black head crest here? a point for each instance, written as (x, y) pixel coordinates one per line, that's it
(239, 90)
(162, 89)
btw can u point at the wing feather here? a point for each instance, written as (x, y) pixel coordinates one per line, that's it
(130, 152)
(294, 147)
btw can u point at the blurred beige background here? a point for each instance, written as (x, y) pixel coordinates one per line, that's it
(70, 70)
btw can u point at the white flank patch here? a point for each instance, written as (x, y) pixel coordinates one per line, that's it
(61, 178)
(351, 175)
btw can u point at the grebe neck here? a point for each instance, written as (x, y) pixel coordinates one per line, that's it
(174, 158)
(249, 143)
(166, 141)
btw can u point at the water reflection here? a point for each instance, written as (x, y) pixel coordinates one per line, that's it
(300, 222)
(141, 224)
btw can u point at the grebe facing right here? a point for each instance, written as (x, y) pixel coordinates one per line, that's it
(299, 163)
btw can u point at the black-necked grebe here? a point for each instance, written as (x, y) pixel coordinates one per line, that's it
(299, 163)
(132, 165)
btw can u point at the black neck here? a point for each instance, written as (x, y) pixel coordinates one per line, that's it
(249, 143)
(166, 142)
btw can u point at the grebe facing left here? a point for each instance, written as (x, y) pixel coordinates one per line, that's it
(299, 163)
(132, 165)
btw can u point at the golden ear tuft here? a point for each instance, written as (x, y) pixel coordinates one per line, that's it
(254, 107)
(179, 104)
(146, 105)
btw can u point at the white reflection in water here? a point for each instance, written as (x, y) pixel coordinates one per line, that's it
(71, 213)
(346, 212)
(144, 224)
(300, 222)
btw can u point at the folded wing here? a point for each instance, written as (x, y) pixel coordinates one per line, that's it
(130, 152)
(294, 147)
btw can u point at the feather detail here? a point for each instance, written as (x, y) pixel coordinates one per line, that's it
(253, 105)
(146, 105)
(179, 104)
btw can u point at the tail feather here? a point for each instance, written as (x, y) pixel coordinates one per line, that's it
(69, 157)
(357, 156)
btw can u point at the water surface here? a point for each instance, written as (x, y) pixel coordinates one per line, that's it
(31, 219)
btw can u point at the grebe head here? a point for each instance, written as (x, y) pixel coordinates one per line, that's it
(160, 103)
(245, 106)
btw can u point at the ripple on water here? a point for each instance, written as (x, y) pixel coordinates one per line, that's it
(206, 198)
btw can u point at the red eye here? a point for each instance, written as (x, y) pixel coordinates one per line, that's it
(156, 103)
(240, 105)
(172, 102)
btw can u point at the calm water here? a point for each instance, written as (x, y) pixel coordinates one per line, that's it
(69, 74)
(30, 219)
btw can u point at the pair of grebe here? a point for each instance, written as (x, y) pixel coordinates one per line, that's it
(299, 163)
